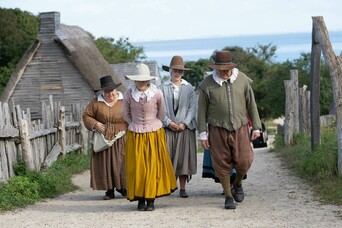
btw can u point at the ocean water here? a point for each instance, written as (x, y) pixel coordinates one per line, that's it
(289, 46)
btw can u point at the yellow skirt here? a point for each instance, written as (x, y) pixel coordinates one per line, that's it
(148, 166)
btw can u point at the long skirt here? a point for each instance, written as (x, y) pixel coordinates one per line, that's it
(182, 150)
(107, 169)
(148, 166)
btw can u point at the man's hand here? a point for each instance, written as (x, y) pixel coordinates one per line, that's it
(255, 135)
(205, 144)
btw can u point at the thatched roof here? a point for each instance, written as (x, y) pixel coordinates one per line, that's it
(82, 51)
(76, 44)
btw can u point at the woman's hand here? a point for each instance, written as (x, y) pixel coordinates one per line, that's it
(181, 127)
(173, 126)
(100, 127)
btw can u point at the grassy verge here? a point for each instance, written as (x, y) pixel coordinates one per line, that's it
(318, 167)
(28, 187)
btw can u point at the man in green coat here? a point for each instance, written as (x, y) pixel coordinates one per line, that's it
(225, 98)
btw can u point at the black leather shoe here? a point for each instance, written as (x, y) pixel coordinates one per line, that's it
(229, 203)
(141, 205)
(109, 195)
(122, 191)
(183, 194)
(238, 193)
(150, 205)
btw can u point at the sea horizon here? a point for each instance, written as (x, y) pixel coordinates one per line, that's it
(289, 46)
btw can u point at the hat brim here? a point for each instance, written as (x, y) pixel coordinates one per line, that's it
(167, 68)
(140, 77)
(222, 66)
(111, 86)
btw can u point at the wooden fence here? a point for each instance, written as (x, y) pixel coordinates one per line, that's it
(298, 110)
(38, 143)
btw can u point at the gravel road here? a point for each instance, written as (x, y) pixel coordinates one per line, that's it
(273, 198)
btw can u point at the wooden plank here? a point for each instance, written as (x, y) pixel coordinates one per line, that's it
(26, 145)
(61, 128)
(73, 147)
(289, 112)
(12, 152)
(9, 132)
(4, 164)
(2, 121)
(85, 138)
(294, 78)
(70, 125)
(52, 155)
(41, 133)
(11, 158)
(315, 90)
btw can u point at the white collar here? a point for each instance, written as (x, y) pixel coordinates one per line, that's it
(232, 78)
(149, 93)
(101, 98)
(183, 82)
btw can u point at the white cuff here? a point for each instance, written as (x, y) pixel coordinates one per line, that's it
(203, 136)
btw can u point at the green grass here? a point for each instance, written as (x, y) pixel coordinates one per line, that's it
(29, 187)
(317, 167)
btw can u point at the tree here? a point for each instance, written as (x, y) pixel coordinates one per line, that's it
(119, 51)
(18, 29)
(198, 69)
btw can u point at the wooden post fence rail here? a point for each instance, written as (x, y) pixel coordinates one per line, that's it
(39, 143)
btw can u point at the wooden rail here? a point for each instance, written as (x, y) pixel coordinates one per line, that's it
(38, 143)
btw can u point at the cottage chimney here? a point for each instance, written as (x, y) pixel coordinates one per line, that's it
(49, 23)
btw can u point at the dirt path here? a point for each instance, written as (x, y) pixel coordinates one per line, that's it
(274, 198)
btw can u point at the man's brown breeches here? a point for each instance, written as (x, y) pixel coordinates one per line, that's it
(230, 149)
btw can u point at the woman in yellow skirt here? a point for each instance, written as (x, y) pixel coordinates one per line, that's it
(148, 166)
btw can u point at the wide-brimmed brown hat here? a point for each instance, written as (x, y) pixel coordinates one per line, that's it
(107, 83)
(176, 63)
(223, 61)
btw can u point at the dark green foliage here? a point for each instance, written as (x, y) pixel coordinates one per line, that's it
(119, 51)
(17, 192)
(18, 29)
(198, 69)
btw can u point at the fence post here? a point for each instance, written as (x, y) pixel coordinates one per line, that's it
(61, 129)
(304, 110)
(289, 112)
(26, 144)
(294, 78)
(85, 141)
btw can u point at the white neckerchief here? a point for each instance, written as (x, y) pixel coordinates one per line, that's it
(183, 82)
(101, 98)
(149, 93)
(232, 78)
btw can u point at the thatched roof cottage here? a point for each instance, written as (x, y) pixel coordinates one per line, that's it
(63, 62)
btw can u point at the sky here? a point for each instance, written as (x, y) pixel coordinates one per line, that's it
(144, 20)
